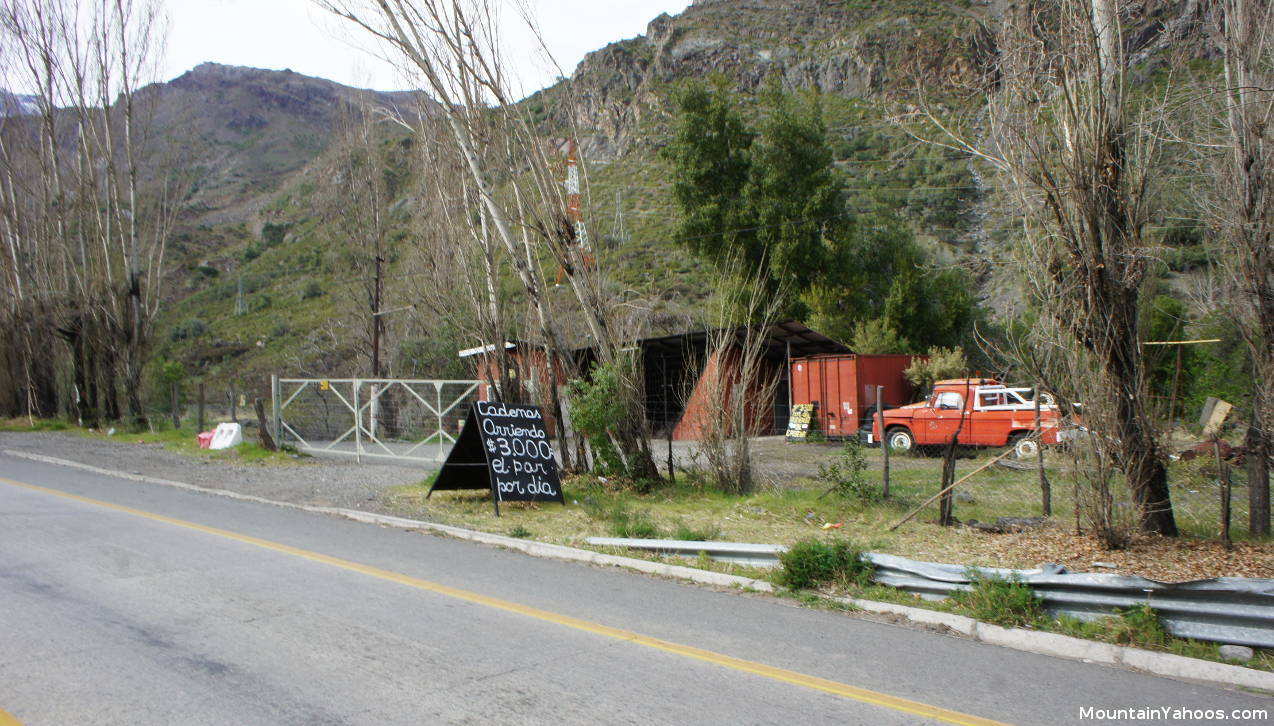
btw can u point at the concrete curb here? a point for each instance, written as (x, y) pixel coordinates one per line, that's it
(1050, 644)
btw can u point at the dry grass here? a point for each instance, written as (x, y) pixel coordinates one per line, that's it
(787, 511)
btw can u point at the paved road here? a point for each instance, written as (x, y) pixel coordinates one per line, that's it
(131, 603)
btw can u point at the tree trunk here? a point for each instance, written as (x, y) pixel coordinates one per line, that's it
(1139, 455)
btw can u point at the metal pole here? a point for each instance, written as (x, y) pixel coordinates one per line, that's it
(234, 403)
(276, 413)
(884, 443)
(358, 426)
(201, 406)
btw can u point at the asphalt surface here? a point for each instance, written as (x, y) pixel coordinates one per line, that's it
(152, 616)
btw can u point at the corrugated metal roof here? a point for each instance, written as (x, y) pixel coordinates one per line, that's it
(803, 340)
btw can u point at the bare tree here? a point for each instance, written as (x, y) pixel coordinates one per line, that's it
(1244, 30)
(1080, 160)
(93, 234)
(737, 388)
(356, 191)
(453, 47)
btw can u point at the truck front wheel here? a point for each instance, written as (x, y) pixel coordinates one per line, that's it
(900, 439)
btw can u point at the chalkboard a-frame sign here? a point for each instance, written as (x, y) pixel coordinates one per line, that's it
(505, 447)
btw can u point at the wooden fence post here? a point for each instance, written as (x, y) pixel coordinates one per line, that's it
(1046, 491)
(1223, 476)
(201, 406)
(263, 430)
(947, 501)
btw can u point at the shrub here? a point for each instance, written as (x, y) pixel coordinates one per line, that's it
(596, 409)
(168, 372)
(996, 600)
(273, 234)
(845, 474)
(942, 363)
(520, 532)
(810, 562)
(188, 329)
(280, 329)
(312, 290)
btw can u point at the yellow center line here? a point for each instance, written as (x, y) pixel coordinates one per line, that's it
(779, 674)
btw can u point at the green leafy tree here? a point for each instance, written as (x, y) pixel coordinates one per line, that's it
(767, 201)
(803, 230)
(771, 201)
(710, 151)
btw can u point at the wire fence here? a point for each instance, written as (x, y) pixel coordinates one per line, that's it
(1004, 493)
(200, 407)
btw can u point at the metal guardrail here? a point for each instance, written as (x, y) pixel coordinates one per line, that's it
(1224, 609)
(757, 555)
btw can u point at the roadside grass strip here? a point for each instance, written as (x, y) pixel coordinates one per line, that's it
(738, 664)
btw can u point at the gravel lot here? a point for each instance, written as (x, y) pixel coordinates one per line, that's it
(313, 481)
(332, 481)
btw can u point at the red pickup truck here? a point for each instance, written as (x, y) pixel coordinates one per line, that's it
(993, 415)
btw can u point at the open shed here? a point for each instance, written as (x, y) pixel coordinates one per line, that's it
(676, 367)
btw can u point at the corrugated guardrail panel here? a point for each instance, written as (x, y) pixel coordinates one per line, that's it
(1225, 609)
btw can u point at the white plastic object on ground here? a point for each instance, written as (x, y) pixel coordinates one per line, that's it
(227, 435)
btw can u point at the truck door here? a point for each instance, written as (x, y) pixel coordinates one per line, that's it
(937, 422)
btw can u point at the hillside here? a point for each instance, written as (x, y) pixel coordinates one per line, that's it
(259, 138)
(247, 131)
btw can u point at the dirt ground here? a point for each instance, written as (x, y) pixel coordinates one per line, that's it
(780, 466)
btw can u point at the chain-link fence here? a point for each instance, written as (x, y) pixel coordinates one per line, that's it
(415, 420)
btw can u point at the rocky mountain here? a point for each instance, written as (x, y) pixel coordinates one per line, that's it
(246, 131)
(14, 104)
(870, 50)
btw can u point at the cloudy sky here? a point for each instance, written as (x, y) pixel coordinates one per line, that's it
(294, 34)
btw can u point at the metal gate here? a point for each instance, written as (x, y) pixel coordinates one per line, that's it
(414, 420)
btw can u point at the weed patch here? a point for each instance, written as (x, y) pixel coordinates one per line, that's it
(687, 533)
(1002, 602)
(812, 562)
(846, 474)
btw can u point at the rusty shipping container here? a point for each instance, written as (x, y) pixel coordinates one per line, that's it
(843, 388)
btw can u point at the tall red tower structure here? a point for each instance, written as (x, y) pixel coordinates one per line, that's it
(583, 251)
